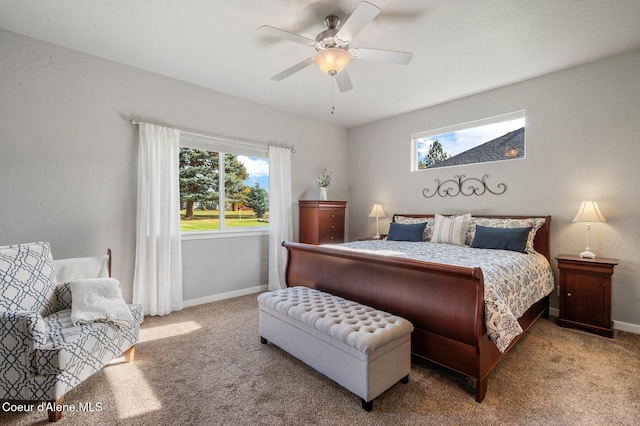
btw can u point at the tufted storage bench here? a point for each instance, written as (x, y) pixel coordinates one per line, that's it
(364, 350)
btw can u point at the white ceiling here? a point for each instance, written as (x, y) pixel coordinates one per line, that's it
(460, 47)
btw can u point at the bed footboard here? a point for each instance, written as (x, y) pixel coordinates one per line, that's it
(409, 288)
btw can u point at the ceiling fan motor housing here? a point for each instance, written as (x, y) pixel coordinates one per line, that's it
(327, 38)
(332, 22)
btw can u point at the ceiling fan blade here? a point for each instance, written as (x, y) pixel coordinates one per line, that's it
(364, 13)
(344, 81)
(292, 70)
(393, 56)
(277, 32)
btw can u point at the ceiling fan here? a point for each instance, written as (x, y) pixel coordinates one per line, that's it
(332, 46)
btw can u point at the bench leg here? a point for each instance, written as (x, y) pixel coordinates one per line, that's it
(367, 405)
(55, 415)
(129, 354)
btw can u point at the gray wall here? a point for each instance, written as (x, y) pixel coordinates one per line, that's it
(68, 161)
(68, 158)
(583, 142)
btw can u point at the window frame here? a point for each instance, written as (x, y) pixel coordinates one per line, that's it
(418, 136)
(223, 146)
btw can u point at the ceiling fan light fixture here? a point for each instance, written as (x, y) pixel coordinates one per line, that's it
(332, 60)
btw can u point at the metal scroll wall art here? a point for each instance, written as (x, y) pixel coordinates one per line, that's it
(461, 184)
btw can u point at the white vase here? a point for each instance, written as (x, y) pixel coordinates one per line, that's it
(323, 194)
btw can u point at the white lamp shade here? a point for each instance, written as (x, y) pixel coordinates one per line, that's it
(377, 211)
(332, 60)
(589, 212)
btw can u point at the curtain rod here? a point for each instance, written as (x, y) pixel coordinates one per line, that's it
(135, 123)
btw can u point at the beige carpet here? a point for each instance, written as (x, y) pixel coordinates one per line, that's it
(205, 366)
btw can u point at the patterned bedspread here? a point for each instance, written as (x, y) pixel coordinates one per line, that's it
(513, 281)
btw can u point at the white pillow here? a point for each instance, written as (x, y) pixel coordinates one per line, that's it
(450, 230)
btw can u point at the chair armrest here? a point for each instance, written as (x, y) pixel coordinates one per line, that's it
(50, 360)
(22, 332)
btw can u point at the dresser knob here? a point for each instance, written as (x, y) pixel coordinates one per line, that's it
(332, 226)
(333, 215)
(569, 294)
(332, 238)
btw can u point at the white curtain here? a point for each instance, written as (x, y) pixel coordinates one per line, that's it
(280, 215)
(157, 283)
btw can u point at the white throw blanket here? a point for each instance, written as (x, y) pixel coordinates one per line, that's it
(98, 299)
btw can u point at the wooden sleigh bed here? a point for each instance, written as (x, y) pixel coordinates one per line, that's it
(445, 303)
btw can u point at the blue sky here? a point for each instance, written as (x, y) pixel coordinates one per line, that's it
(258, 169)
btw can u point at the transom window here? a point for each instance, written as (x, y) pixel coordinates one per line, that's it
(491, 139)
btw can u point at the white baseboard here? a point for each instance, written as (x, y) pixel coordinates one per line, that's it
(617, 325)
(223, 296)
(625, 326)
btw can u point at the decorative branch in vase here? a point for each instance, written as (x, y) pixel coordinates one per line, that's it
(323, 182)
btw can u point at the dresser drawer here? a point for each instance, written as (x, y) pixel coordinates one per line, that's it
(331, 217)
(331, 232)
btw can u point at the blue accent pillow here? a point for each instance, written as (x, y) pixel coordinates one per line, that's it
(514, 239)
(406, 232)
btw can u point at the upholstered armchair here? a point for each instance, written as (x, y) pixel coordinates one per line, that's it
(44, 350)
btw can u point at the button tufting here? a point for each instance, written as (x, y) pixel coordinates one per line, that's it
(357, 325)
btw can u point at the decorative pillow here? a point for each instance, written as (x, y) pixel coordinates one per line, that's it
(450, 230)
(409, 232)
(428, 229)
(27, 278)
(514, 239)
(535, 224)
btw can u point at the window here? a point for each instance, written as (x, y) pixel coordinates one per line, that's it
(224, 185)
(492, 139)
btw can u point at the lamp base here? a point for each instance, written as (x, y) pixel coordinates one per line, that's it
(376, 237)
(588, 254)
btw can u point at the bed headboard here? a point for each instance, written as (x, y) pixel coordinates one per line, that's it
(541, 243)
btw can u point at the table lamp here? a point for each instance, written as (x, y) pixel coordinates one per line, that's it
(589, 212)
(377, 212)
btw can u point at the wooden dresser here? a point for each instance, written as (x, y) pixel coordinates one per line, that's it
(322, 222)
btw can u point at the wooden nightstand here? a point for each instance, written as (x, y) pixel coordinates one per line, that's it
(382, 237)
(585, 293)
